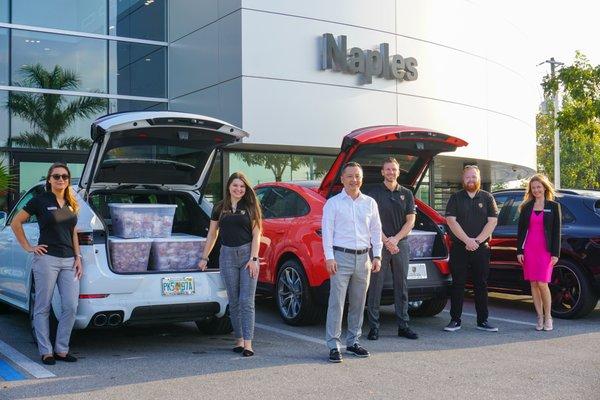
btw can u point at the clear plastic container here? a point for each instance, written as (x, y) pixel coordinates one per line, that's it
(177, 253)
(129, 255)
(142, 220)
(421, 243)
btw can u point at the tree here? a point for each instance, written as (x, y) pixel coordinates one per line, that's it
(49, 115)
(578, 122)
(276, 163)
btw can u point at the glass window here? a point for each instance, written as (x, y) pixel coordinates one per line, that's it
(31, 173)
(134, 105)
(213, 192)
(138, 69)
(269, 167)
(142, 19)
(4, 11)
(53, 121)
(283, 203)
(85, 58)
(3, 118)
(36, 191)
(72, 15)
(3, 56)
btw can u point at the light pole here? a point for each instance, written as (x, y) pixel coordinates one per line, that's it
(553, 64)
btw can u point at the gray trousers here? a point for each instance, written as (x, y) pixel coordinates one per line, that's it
(397, 264)
(352, 276)
(48, 272)
(240, 288)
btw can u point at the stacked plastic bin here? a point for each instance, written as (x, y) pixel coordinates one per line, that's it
(142, 240)
(420, 243)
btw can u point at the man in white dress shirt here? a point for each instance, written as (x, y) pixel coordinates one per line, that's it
(351, 225)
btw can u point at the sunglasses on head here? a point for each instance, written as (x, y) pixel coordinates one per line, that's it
(57, 177)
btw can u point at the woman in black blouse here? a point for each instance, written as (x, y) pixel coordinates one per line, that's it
(237, 219)
(56, 260)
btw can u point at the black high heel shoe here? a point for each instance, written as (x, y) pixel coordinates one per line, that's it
(238, 349)
(247, 353)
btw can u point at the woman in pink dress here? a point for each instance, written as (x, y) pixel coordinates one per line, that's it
(538, 244)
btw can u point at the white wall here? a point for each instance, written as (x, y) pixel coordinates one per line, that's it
(475, 75)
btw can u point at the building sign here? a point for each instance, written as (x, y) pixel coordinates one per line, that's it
(368, 63)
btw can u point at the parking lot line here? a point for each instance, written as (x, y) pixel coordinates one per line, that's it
(22, 361)
(8, 373)
(512, 321)
(291, 334)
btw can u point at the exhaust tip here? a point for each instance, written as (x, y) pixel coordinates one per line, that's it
(114, 319)
(100, 320)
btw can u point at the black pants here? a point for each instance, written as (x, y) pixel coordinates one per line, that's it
(478, 261)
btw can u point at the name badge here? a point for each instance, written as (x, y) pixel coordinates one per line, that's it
(546, 210)
(52, 208)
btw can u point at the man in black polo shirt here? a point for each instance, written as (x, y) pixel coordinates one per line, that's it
(472, 215)
(397, 213)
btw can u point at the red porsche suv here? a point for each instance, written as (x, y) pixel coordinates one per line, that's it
(291, 253)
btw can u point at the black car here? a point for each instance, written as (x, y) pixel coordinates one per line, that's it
(575, 284)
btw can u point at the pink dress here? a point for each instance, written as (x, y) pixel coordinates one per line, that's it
(537, 263)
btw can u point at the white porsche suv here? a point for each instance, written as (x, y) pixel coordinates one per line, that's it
(138, 157)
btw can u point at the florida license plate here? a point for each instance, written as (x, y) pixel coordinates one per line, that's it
(178, 286)
(417, 271)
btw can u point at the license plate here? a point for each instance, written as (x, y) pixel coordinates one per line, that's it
(178, 286)
(417, 271)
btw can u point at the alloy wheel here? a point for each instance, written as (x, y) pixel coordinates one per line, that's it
(289, 291)
(565, 289)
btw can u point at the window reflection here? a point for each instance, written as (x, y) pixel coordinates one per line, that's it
(85, 57)
(3, 118)
(142, 19)
(138, 69)
(3, 56)
(134, 105)
(64, 123)
(72, 15)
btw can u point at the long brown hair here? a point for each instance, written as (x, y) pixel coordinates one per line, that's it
(549, 192)
(249, 199)
(70, 198)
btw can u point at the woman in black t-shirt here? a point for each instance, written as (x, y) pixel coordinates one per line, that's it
(56, 260)
(237, 219)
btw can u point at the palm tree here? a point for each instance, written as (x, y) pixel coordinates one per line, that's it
(49, 115)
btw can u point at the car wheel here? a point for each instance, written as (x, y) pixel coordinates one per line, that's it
(292, 295)
(427, 308)
(216, 325)
(52, 319)
(572, 292)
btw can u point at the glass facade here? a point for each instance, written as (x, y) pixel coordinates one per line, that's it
(105, 55)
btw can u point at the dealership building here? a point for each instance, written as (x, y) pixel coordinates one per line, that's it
(297, 75)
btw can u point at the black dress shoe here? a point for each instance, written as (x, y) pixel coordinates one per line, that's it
(247, 353)
(49, 360)
(335, 356)
(407, 333)
(373, 334)
(67, 358)
(238, 349)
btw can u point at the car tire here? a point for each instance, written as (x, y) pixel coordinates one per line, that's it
(216, 325)
(293, 297)
(572, 292)
(53, 321)
(427, 308)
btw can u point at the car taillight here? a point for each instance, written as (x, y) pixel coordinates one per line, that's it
(85, 238)
(443, 266)
(596, 241)
(93, 296)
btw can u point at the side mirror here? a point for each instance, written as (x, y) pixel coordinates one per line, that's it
(3, 216)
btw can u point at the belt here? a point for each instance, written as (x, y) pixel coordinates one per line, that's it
(351, 251)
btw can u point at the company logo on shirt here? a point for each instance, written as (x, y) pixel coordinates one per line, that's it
(480, 205)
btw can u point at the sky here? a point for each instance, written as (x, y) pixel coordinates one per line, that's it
(557, 28)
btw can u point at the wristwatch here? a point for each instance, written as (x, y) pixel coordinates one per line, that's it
(204, 259)
(78, 255)
(377, 257)
(254, 258)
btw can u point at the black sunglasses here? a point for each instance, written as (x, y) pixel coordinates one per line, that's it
(57, 177)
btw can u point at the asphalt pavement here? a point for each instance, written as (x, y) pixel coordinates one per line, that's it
(178, 362)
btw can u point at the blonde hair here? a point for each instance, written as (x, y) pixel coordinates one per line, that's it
(549, 191)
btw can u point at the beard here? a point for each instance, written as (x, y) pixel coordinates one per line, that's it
(472, 186)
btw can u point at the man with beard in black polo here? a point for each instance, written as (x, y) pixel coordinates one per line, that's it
(472, 215)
